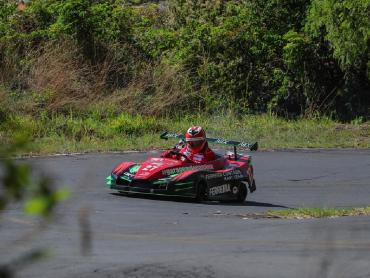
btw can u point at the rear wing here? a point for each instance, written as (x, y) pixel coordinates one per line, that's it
(253, 147)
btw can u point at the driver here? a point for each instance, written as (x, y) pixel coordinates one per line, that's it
(196, 146)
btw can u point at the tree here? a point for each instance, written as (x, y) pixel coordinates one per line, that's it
(346, 25)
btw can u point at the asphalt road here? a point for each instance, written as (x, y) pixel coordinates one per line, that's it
(98, 234)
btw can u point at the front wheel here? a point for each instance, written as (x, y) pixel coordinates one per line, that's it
(201, 191)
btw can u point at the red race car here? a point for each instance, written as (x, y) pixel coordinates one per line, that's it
(228, 177)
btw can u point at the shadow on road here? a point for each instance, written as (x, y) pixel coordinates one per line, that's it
(192, 201)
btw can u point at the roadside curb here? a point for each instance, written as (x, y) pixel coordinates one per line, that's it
(287, 150)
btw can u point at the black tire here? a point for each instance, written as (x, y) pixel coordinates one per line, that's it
(252, 187)
(201, 191)
(242, 194)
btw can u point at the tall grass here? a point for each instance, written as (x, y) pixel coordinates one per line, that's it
(103, 130)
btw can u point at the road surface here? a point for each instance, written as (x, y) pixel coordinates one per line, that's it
(99, 234)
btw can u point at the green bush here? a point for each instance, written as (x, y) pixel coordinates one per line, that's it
(287, 57)
(345, 25)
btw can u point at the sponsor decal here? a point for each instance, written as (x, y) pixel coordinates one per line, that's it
(222, 141)
(153, 166)
(150, 167)
(130, 175)
(144, 174)
(198, 157)
(184, 169)
(216, 190)
(243, 145)
(232, 175)
(214, 176)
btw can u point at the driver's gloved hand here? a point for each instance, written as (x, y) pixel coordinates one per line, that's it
(170, 153)
(180, 144)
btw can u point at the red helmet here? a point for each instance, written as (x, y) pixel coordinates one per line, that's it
(195, 138)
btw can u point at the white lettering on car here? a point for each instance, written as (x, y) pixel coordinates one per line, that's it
(214, 176)
(153, 166)
(183, 169)
(128, 174)
(216, 190)
(232, 175)
(150, 167)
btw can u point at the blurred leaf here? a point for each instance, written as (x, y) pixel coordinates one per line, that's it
(43, 205)
(37, 206)
(61, 194)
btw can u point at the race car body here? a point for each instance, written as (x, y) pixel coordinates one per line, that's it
(228, 177)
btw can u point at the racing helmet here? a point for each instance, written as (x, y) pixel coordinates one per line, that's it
(195, 138)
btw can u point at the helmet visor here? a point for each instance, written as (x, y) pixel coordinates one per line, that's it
(195, 144)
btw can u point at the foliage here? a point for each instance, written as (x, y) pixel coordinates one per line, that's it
(345, 25)
(285, 57)
(254, 54)
(6, 11)
(104, 129)
(18, 180)
(138, 125)
(310, 79)
(20, 184)
(93, 24)
(346, 29)
(17, 185)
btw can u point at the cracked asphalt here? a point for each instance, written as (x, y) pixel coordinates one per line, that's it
(99, 234)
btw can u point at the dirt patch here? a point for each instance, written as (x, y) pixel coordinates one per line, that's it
(153, 271)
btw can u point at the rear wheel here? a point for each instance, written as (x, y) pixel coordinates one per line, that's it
(252, 187)
(243, 192)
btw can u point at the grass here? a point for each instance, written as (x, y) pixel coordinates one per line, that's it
(60, 133)
(302, 213)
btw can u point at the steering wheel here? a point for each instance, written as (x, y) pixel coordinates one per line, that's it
(178, 155)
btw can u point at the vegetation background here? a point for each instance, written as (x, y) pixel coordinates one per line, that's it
(80, 75)
(97, 75)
